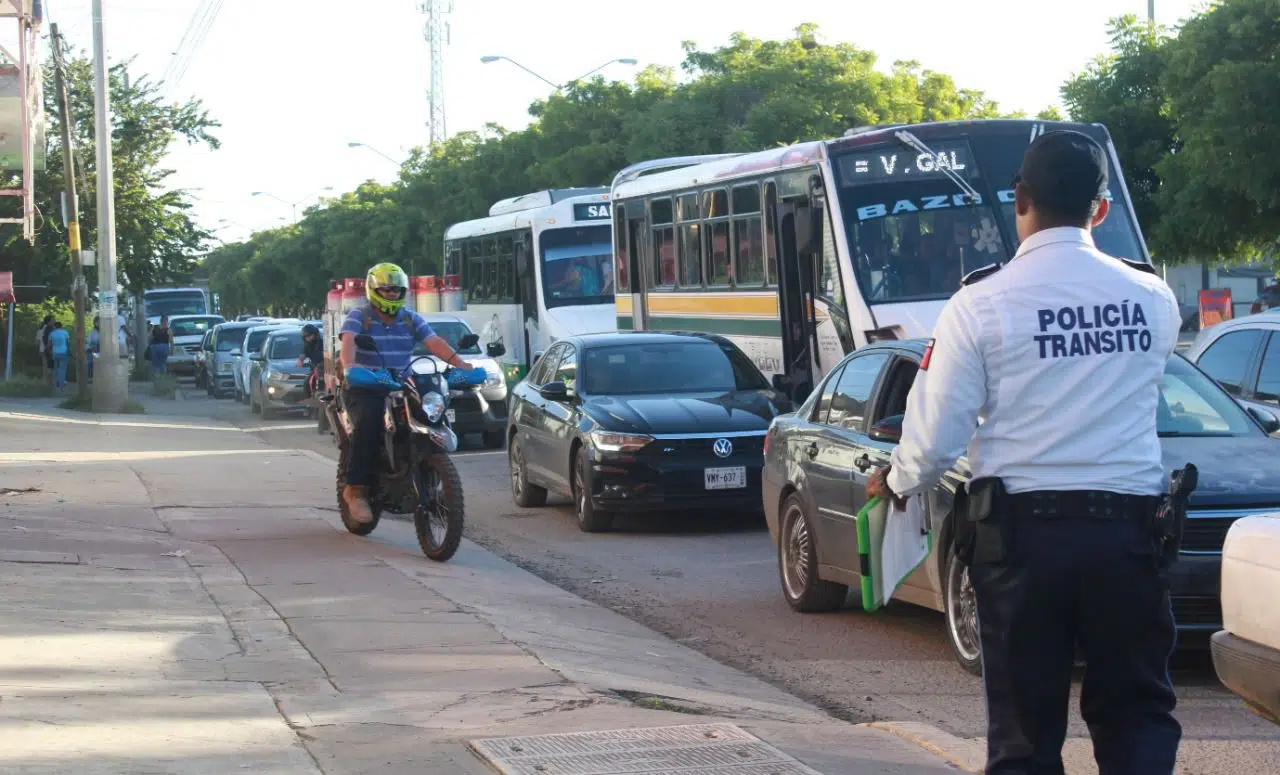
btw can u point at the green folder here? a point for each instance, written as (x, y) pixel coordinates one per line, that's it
(870, 527)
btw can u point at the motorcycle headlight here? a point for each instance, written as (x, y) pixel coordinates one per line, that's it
(433, 405)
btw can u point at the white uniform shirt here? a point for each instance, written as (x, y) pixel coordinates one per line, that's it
(1049, 371)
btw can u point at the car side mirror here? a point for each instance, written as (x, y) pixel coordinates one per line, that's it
(1269, 422)
(887, 430)
(467, 341)
(235, 352)
(554, 391)
(365, 342)
(495, 350)
(257, 357)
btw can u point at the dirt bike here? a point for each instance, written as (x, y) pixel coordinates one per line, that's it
(416, 475)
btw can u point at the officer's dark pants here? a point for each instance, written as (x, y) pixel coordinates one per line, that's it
(365, 408)
(1062, 581)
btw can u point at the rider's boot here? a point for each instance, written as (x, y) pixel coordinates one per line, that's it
(357, 500)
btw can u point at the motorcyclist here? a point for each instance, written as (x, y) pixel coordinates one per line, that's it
(396, 330)
(313, 350)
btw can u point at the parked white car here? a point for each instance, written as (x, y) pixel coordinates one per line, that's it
(187, 332)
(1246, 652)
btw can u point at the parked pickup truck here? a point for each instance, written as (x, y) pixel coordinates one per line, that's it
(1246, 652)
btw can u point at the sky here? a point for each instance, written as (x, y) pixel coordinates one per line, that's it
(293, 82)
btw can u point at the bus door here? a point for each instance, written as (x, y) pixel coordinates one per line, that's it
(527, 284)
(637, 222)
(795, 290)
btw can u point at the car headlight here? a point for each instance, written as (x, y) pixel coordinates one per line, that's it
(224, 368)
(433, 405)
(493, 380)
(607, 441)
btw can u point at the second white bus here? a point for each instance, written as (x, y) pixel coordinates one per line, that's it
(539, 268)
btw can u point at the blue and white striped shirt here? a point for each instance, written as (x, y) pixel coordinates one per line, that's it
(395, 340)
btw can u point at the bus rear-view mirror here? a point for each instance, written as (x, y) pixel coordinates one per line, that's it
(467, 341)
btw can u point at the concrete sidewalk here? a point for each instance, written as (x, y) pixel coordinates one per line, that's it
(181, 598)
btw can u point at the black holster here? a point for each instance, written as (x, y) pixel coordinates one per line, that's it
(1169, 517)
(979, 524)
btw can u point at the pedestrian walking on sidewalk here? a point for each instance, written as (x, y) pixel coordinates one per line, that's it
(1060, 355)
(160, 346)
(93, 345)
(60, 353)
(42, 343)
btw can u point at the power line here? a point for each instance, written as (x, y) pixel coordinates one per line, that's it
(192, 40)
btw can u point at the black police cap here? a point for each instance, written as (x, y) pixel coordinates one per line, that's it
(1064, 168)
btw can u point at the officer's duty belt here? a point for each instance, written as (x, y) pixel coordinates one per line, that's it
(1093, 504)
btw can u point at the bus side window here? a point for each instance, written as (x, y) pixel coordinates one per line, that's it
(715, 208)
(474, 276)
(664, 254)
(506, 269)
(490, 268)
(690, 236)
(771, 233)
(747, 236)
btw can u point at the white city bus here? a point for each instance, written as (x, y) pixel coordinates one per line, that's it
(803, 253)
(540, 267)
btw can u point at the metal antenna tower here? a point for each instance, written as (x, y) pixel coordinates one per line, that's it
(437, 35)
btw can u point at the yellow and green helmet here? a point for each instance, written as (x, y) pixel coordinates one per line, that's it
(386, 285)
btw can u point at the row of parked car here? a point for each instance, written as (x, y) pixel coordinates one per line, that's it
(638, 422)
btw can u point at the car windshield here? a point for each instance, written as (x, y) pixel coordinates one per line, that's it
(1192, 404)
(171, 304)
(231, 338)
(286, 346)
(192, 326)
(577, 266)
(913, 233)
(694, 366)
(450, 331)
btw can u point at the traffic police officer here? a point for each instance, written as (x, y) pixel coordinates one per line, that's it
(1049, 371)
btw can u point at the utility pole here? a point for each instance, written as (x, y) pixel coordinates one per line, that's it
(110, 388)
(1151, 11)
(79, 288)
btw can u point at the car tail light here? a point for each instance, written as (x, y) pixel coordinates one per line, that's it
(767, 436)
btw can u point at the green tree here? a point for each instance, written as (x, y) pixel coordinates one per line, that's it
(747, 95)
(1221, 192)
(1122, 90)
(156, 239)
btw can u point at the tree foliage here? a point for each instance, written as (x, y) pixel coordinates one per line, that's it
(1194, 115)
(156, 240)
(746, 95)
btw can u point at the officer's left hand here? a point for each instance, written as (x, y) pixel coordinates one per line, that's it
(877, 488)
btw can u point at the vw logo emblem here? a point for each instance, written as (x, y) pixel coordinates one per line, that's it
(722, 448)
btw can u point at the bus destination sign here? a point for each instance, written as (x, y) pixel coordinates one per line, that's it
(586, 211)
(885, 165)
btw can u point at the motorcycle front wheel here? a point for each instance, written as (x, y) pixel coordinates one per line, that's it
(438, 518)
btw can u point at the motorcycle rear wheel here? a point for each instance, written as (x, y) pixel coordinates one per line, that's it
(358, 528)
(439, 517)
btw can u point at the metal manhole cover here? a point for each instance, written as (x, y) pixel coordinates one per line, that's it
(697, 749)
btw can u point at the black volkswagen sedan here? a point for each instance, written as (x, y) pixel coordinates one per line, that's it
(640, 422)
(817, 462)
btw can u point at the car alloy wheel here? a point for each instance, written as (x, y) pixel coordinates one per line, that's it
(961, 608)
(798, 564)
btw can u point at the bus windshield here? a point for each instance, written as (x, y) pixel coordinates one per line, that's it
(180, 303)
(913, 234)
(577, 266)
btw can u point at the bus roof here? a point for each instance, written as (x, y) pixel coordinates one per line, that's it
(172, 290)
(543, 199)
(516, 217)
(690, 172)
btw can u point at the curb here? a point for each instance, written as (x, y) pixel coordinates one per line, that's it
(966, 754)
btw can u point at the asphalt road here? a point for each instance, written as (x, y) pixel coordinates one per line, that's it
(711, 582)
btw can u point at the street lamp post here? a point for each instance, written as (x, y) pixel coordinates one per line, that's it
(293, 205)
(375, 150)
(490, 59)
